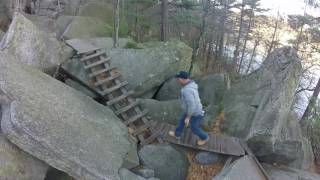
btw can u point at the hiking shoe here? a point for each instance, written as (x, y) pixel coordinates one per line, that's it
(202, 142)
(173, 134)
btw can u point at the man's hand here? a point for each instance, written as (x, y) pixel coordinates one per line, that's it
(187, 121)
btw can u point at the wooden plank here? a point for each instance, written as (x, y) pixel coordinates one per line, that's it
(142, 128)
(97, 54)
(136, 117)
(224, 145)
(114, 88)
(214, 144)
(250, 153)
(119, 98)
(81, 46)
(100, 82)
(102, 61)
(153, 136)
(96, 73)
(127, 108)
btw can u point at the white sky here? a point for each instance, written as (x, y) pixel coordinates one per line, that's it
(286, 7)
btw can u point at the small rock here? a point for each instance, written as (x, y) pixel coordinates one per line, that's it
(125, 174)
(207, 158)
(147, 173)
(167, 162)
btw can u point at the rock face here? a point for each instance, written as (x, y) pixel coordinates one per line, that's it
(16, 164)
(162, 111)
(211, 89)
(258, 107)
(277, 173)
(242, 169)
(59, 125)
(87, 27)
(125, 174)
(167, 162)
(207, 158)
(32, 46)
(145, 69)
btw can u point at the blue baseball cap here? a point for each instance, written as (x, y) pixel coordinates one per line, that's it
(183, 75)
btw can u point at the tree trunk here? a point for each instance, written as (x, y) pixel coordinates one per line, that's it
(245, 43)
(253, 55)
(236, 51)
(164, 21)
(222, 32)
(116, 20)
(273, 36)
(312, 102)
(196, 48)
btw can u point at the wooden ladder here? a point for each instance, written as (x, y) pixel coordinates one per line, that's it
(109, 83)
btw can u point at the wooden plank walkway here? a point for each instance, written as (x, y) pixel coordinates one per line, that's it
(217, 143)
(81, 46)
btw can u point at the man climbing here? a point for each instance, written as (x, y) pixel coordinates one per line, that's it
(191, 109)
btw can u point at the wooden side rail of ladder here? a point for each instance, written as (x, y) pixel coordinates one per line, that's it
(108, 82)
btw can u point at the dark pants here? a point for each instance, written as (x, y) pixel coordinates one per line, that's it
(194, 125)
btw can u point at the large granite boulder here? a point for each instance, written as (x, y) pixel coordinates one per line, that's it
(16, 164)
(162, 111)
(31, 46)
(104, 12)
(59, 125)
(100, 10)
(211, 89)
(170, 111)
(244, 168)
(285, 173)
(258, 108)
(167, 162)
(4, 17)
(48, 8)
(145, 69)
(87, 27)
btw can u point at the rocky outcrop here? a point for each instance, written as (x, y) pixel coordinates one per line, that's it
(87, 27)
(167, 162)
(103, 10)
(145, 69)
(258, 108)
(211, 89)
(48, 8)
(284, 173)
(244, 168)
(162, 111)
(59, 125)
(100, 10)
(31, 46)
(16, 164)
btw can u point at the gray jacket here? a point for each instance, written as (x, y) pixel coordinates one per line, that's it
(190, 100)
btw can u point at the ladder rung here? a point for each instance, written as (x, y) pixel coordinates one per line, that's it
(97, 63)
(136, 117)
(96, 73)
(100, 82)
(92, 56)
(143, 127)
(119, 98)
(126, 108)
(114, 88)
